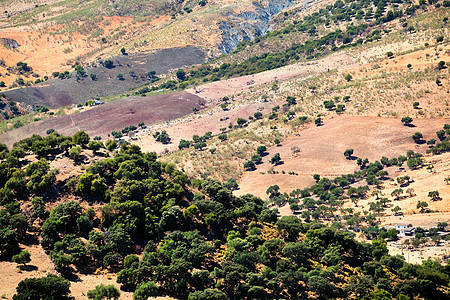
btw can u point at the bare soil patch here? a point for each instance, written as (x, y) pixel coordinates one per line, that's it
(134, 67)
(417, 255)
(103, 119)
(41, 266)
(322, 150)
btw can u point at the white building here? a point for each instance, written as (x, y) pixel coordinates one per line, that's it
(404, 229)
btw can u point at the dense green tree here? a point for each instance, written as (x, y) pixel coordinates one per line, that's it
(51, 287)
(95, 146)
(249, 165)
(407, 121)
(102, 292)
(84, 225)
(261, 150)
(181, 75)
(208, 294)
(3, 151)
(22, 258)
(318, 121)
(417, 137)
(108, 64)
(440, 134)
(200, 145)
(322, 286)
(291, 224)
(348, 153)
(434, 195)
(241, 121)
(81, 138)
(75, 152)
(145, 290)
(257, 115)
(162, 137)
(276, 159)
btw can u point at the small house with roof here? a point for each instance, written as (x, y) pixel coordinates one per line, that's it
(404, 229)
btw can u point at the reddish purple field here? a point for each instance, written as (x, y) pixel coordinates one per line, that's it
(115, 115)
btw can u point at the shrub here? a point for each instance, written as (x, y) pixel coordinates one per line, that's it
(108, 64)
(50, 287)
(104, 292)
(75, 152)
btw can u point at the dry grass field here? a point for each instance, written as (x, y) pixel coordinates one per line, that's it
(322, 150)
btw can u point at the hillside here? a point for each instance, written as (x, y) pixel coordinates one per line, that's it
(67, 32)
(222, 149)
(168, 235)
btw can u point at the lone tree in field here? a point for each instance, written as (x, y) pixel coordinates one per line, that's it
(410, 192)
(434, 195)
(417, 137)
(249, 165)
(396, 193)
(447, 180)
(22, 258)
(276, 159)
(348, 153)
(348, 77)
(407, 121)
(162, 137)
(241, 121)
(416, 105)
(396, 209)
(422, 205)
(261, 150)
(318, 121)
(109, 64)
(441, 65)
(257, 159)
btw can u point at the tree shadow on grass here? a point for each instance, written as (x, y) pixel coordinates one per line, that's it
(28, 268)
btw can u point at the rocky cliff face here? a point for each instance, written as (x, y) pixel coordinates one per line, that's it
(250, 24)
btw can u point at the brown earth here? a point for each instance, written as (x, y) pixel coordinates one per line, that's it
(103, 119)
(51, 49)
(41, 266)
(104, 122)
(55, 92)
(322, 148)
(211, 120)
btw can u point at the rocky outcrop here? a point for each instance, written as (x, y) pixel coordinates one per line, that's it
(250, 24)
(9, 43)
